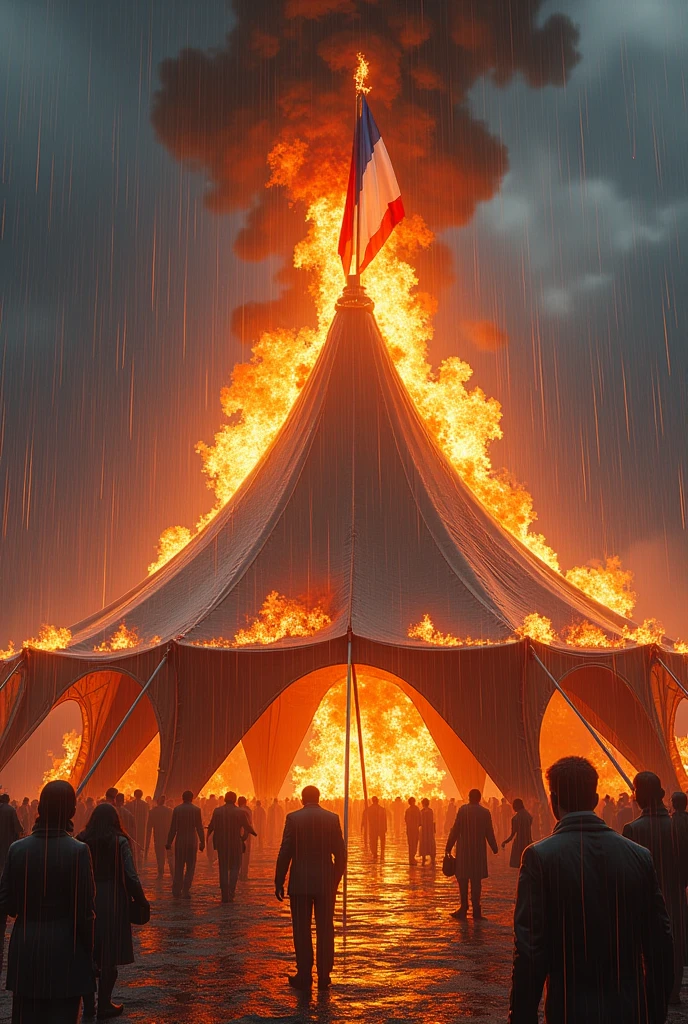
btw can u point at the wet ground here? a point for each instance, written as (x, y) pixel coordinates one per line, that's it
(403, 960)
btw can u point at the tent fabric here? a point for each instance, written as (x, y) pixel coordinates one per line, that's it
(354, 509)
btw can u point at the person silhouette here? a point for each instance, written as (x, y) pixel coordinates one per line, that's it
(427, 846)
(10, 827)
(158, 828)
(376, 820)
(412, 820)
(313, 853)
(229, 828)
(186, 832)
(471, 833)
(590, 924)
(260, 820)
(242, 804)
(521, 833)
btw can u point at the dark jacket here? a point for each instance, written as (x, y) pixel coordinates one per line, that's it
(654, 830)
(159, 821)
(522, 831)
(116, 883)
(48, 886)
(470, 832)
(312, 844)
(590, 921)
(229, 827)
(10, 829)
(186, 826)
(679, 820)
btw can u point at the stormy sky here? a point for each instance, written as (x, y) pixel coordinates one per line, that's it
(118, 286)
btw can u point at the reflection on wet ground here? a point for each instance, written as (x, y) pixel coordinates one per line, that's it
(403, 959)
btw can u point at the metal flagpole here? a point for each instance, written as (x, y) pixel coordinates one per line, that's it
(584, 720)
(357, 138)
(360, 736)
(347, 766)
(121, 725)
(12, 671)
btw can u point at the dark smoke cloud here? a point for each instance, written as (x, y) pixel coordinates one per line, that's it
(284, 78)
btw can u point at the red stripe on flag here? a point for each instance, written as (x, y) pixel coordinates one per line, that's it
(393, 215)
(346, 235)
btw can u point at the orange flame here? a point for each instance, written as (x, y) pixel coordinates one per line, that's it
(608, 584)
(233, 773)
(361, 74)
(50, 638)
(537, 627)
(120, 640)
(143, 773)
(681, 647)
(278, 617)
(9, 651)
(425, 631)
(64, 766)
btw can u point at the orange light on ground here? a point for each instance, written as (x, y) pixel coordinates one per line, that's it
(401, 758)
(63, 765)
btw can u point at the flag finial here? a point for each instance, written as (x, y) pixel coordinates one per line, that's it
(361, 74)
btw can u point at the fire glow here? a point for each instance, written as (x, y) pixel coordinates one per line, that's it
(279, 617)
(63, 766)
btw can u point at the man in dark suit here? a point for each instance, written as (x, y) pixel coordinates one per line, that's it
(186, 832)
(590, 921)
(158, 828)
(313, 852)
(10, 827)
(472, 832)
(655, 831)
(229, 827)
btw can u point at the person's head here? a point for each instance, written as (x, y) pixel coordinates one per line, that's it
(103, 823)
(474, 796)
(111, 794)
(119, 800)
(425, 802)
(241, 801)
(25, 802)
(679, 801)
(138, 794)
(607, 798)
(187, 796)
(517, 804)
(412, 801)
(258, 803)
(648, 790)
(4, 798)
(230, 798)
(310, 795)
(572, 785)
(375, 800)
(161, 801)
(56, 805)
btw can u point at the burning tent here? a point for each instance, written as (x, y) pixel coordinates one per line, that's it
(353, 535)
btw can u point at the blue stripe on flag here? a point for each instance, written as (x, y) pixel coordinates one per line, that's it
(368, 137)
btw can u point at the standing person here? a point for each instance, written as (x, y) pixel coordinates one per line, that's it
(608, 811)
(450, 816)
(158, 826)
(10, 827)
(377, 828)
(521, 832)
(471, 833)
(139, 811)
(242, 803)
(117, 884)
(590, 922)
(412, 821)
(47, 885)
(127, 820)
(24, 815)
(275, 822)
(504, 819)
(313, 852)
(427, 833)
(398, 816)
(210, 804)
(260, 820)
(186, 832)
(624, 813)
(655, 831)
(229, 829)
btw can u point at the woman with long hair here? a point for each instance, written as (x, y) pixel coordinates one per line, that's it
(47, 885)
(521, 832)
(117, 888)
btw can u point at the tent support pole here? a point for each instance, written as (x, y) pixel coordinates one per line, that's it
(347, 768)
(16, 668)
(584, 720)
(668, 670)
(121, 725)
(360, 737)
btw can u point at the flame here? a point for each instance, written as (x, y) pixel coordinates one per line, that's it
(361, 74)
(682, 744)
(120, 640)
(425, 631)
(234, 773)
(681, 647)
(608, 584)
(650, 631)
(9, 651)
(585, 634)
(278, 617)
(537, 627)
(64, 766)
(50, 638)
(401, 758)
(172, 540)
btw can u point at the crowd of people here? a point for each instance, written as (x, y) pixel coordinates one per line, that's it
(599, 923)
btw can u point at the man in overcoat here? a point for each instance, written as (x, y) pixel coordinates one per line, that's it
(10, 827)
(186, 832)
(229, 827)
(471, 833)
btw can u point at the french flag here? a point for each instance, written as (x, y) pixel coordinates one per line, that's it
(373, 198)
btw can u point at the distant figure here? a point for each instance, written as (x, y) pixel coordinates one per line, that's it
(398, 815)
(139, 811)
(428, 846)
(186, 832)
(471, 833)
(412, 821)
(655, 831)
(209, 807)
(521, 833)
(679, 820)
(376, 821)
(608, 811)
(275, 822)
(81, 815)
(24, 815)
(313, 852)
(111, 796)
(450, 816)
(116, 885)
(127, 821)
(48, 886)
(242, 804)
(229, 829)
(157, 828)
(590, 922)
(10, 827)
(624, 813)
(260, 820)
(504, 820)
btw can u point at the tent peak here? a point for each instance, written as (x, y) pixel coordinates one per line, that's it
(354, 296)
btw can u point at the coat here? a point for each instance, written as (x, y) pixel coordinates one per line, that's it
(229, 827)
(116, 883)
(186, 826)
(521, 830)
(590, 921)
(312, 851)
(427, 846)
(471, 831)
(47, 884)
(10, 830)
